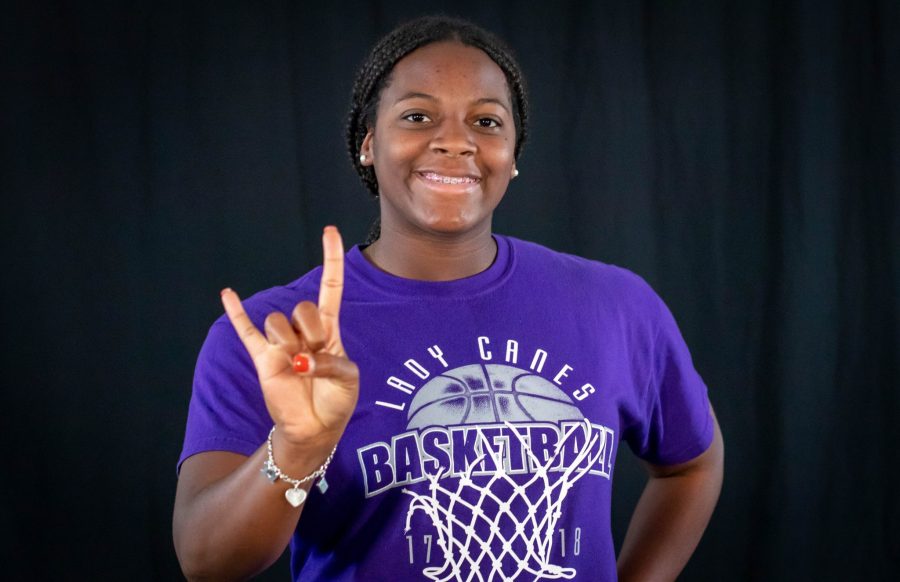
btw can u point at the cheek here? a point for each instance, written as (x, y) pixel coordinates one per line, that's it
(502, 158)
(392, 151)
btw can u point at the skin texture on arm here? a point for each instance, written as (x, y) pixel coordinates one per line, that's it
(672, 514)
(230, 522)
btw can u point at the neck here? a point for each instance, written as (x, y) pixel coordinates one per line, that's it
(432, 258)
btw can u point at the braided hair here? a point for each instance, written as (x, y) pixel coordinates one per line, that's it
(375, 73)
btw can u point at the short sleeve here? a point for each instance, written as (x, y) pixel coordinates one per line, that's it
(677, 425)
(227, 411)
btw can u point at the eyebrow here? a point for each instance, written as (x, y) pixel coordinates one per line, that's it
(483, 100)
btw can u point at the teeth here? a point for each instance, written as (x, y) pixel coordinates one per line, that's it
(448, 180)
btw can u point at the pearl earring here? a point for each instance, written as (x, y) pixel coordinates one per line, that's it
(362, 158)
(515, 172)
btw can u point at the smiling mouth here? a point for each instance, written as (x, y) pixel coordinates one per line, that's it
(440, 179)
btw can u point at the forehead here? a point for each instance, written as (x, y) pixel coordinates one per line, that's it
(448, 70)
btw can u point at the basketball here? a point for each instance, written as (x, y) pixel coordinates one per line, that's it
(489, 394)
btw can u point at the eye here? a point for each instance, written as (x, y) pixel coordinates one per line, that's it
(487, 123)
(417, 117)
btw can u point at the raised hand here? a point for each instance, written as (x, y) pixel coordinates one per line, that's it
(309, 385)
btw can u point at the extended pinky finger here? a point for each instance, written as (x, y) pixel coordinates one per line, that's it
(251, 337)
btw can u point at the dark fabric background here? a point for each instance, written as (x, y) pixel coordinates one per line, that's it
(744, 157)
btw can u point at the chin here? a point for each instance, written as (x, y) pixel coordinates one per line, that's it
(451, 227)
(445, 228)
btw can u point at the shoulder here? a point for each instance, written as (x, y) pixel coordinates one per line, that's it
(607, 282)
(281, 298)
(223, 354)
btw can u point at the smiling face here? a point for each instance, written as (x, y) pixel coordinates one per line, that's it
(443, 143)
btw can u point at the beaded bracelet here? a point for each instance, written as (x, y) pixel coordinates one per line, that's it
(295, 496)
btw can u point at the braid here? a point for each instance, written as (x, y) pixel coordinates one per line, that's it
(374, 75)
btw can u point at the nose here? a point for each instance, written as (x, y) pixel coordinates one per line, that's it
(453, 138)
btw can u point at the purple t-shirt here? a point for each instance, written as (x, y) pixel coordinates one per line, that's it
(490, 413)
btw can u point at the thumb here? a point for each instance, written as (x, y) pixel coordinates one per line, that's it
(341, 371)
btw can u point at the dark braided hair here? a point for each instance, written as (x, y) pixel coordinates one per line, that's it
(374, 75)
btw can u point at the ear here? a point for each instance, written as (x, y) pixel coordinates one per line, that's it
(366, 149)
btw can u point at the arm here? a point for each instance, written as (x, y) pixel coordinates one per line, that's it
(672, 514)
(230, 522)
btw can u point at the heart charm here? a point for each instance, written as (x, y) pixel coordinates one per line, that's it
(295, 496)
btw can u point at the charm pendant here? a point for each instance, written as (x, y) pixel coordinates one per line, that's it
(269, 471)
(295, 496)
(322, 485)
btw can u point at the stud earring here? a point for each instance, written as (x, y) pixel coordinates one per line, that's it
(515, 172)
(363, 158)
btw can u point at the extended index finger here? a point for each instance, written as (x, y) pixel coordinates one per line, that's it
(332, 286)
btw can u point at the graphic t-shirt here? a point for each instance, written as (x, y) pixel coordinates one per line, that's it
(490, 413)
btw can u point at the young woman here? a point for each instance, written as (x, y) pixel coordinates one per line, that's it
(462, 394)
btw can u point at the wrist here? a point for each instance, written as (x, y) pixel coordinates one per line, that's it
(297, 493)
(299, 457)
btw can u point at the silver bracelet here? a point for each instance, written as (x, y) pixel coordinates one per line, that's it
(295, 495)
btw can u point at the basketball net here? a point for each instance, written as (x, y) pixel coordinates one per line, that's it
(481, 556)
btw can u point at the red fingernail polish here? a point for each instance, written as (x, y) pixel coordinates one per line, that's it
(301, 363)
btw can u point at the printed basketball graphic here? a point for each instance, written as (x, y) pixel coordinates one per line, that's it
(491, 393)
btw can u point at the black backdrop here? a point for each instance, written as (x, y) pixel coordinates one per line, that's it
(744, 157)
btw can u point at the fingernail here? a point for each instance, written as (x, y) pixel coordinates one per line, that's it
(224, 291)
(330, 226)
(302, 364)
